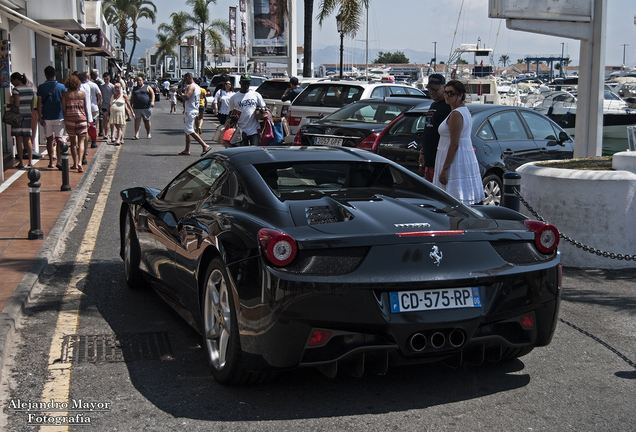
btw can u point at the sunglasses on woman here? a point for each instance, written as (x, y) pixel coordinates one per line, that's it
(450, 93)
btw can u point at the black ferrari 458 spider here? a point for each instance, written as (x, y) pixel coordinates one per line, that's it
(327, 256)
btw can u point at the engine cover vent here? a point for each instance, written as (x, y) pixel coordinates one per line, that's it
(320, 215)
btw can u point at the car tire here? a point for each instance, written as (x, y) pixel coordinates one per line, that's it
(493, 189)
(221, 337)
(132, 256)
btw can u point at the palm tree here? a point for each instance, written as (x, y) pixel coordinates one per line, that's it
(173, 33)
(216, 31)
(166, 47)
(117, 13)
(141, 9)
(124, 14)
(200, 17)
(351, 11)
(504, 59)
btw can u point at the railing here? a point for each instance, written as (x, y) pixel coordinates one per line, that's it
(631, 137)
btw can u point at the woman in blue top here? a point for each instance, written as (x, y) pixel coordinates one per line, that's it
(22, 97)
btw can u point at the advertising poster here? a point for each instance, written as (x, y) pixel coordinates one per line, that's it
(232, 31)
(5, 82)
(269, 29)
(171, 64)
(187, 57)
(243, 9)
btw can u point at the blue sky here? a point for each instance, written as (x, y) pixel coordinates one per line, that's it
(416, 24)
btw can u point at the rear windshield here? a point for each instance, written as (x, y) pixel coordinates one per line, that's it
(298, 176)
(302, 180)
(273, 89)
(328, 95)
(369, 112)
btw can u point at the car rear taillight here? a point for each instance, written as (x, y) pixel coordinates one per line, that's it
(370, 142)
(298, 139)
(546, 237)
(294, 121)
(277, 247)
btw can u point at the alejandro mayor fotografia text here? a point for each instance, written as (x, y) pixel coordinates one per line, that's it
(73, 411)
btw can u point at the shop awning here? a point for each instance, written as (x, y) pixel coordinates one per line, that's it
(49, 32)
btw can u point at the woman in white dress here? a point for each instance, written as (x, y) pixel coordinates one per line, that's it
(456, 166)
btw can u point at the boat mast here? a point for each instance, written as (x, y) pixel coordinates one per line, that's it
(366, 69)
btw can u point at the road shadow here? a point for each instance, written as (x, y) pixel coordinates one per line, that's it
(184, 387)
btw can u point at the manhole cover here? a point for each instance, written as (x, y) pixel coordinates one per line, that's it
(125, 347)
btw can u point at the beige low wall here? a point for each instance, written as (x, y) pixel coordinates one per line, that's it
(596, 208)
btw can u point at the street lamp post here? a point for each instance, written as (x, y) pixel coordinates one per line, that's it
(340, 26)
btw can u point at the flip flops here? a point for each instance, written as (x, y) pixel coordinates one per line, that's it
(183, 153)
(203, 153)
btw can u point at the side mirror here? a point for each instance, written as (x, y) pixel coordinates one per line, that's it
(135, 196)
(563, 137)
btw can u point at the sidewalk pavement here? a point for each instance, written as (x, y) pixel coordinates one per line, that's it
(23, 260)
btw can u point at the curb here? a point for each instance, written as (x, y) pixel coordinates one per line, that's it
(14, 309)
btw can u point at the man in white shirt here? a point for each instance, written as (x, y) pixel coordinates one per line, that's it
(94, 101)
(191, 94)
(244, 104)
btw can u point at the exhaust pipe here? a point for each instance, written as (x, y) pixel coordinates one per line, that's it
(418, 342)
(457, 338)
(438, 340)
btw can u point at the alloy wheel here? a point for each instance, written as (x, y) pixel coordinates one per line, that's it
(217, 319)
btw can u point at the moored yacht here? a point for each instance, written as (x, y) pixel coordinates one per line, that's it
(560, 106)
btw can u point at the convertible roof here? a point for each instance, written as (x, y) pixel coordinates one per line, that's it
(240, 156)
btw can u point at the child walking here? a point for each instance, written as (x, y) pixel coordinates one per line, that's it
(173, 100)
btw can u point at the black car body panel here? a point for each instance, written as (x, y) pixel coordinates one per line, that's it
(498, 148)
(503, 137)
(361, 241)
(350, 125)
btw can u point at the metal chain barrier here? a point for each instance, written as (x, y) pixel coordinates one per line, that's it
(572, 241)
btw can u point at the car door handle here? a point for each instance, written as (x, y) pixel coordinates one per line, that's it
(318, 117)
(508, 152)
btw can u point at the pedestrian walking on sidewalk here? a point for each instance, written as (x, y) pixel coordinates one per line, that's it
(221, 102)
(107, 93)
(172, 94)
(190, 94)
(117, 116)
(243, 105)
(22, 99)
(142, 99)
(95, 101)
(76, 111)
(51, 115)
(203, 104)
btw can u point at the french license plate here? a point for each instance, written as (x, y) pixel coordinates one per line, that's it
(414, 301)
(322, 141)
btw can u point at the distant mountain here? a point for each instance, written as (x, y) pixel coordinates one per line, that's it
(322, 54)
(148, 40)
(331, 54)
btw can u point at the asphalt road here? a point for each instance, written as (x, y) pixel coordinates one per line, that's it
(583, 381)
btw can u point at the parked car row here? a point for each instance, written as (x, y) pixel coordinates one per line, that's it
(389, 119)
(503, 137)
